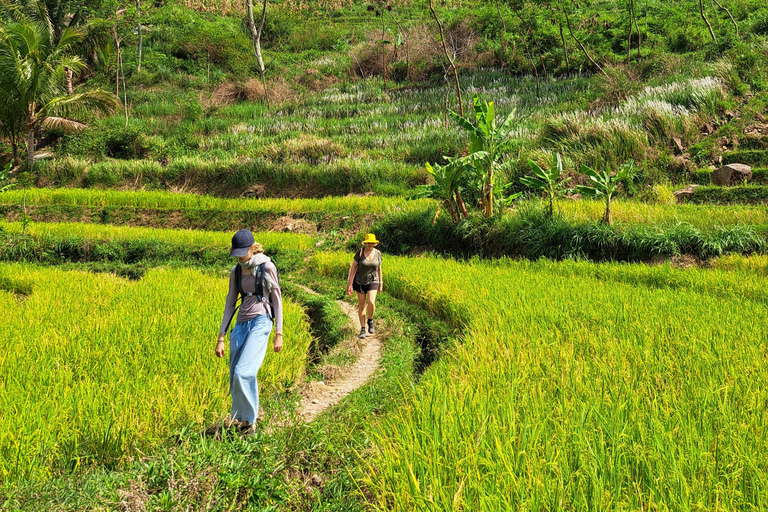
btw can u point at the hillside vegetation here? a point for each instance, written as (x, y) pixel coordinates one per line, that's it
(574, 308)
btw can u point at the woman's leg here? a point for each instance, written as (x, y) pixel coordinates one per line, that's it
(371, 307)
(247, 350)
(361, 309)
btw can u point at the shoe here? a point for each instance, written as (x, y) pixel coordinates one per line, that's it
(371, 330)
(362, 333)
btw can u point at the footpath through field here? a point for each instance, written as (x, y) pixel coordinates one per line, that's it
(317, 397)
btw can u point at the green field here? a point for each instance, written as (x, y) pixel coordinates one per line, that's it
(537, 353)
(580, 387)
(107, 368)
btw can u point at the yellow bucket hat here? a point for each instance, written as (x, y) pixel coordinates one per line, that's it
(370, 238)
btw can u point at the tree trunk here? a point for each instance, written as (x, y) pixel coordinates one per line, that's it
(462, 206)
(256, 32)
(736, 25)
(629, 36)
(117, 67)
(141, 39)
(405, 44)
(503, 29)
(538, 50)
(535, 43)
(256, 37)
(15, 149)
(30, 147)
(607, 216)
(704, 17)
(535, 71)
(637, 29)
(581, 45)
(437, 213)
(565, 48)
(448, 56)
(383, 53)
(489, 192)
(70, 87)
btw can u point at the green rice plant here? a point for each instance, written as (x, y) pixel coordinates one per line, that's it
(193, 240)
(757, 264)
(108, 368)
(627, 212)
(169, 200)
(746, 194)
(578, 387)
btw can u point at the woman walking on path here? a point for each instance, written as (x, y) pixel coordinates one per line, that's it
(248, 339)
(365, 278)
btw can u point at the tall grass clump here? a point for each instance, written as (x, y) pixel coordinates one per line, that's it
(109, 367)
(570, 392)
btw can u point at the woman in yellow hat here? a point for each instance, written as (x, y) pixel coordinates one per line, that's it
(365, 279)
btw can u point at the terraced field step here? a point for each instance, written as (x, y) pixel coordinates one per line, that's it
(744, 194)
(704, 176)
(755, 157)
(752, 142)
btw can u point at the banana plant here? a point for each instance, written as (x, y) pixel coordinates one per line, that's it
(547, 180)
(488, 145)
(446, 189)
(604, 185)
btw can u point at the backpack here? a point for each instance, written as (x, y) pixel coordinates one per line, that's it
(259, 293)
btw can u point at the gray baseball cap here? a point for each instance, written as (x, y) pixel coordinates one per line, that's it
(241, 242)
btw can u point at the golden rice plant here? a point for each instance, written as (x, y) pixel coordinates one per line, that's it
(579, 387)
(97, 367)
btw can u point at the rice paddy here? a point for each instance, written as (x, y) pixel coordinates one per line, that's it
(102, 368)
(579, 387)
(169, 200)
(194, 240)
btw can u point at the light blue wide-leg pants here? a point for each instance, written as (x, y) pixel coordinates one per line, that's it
(247, 348)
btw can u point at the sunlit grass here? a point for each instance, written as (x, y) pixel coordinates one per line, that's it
(97, 367)
(627, 212)
(579, 387)
(192, 239)
(169, 200)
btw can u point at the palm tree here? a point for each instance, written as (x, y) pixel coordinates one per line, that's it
(33, 74)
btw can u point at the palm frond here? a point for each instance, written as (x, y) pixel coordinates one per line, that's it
(69, 125)
(92, 100)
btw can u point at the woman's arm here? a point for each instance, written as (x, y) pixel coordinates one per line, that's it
(381, 280)
(351, 276)
(276, 300)
(229, 309)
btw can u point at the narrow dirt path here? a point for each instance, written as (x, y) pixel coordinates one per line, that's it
(319, 397)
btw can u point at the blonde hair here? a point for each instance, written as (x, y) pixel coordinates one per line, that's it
(257, 248)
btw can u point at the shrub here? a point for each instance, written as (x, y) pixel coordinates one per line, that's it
(679, 42)
(124, 143)
(217, 42)
(760, 24)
